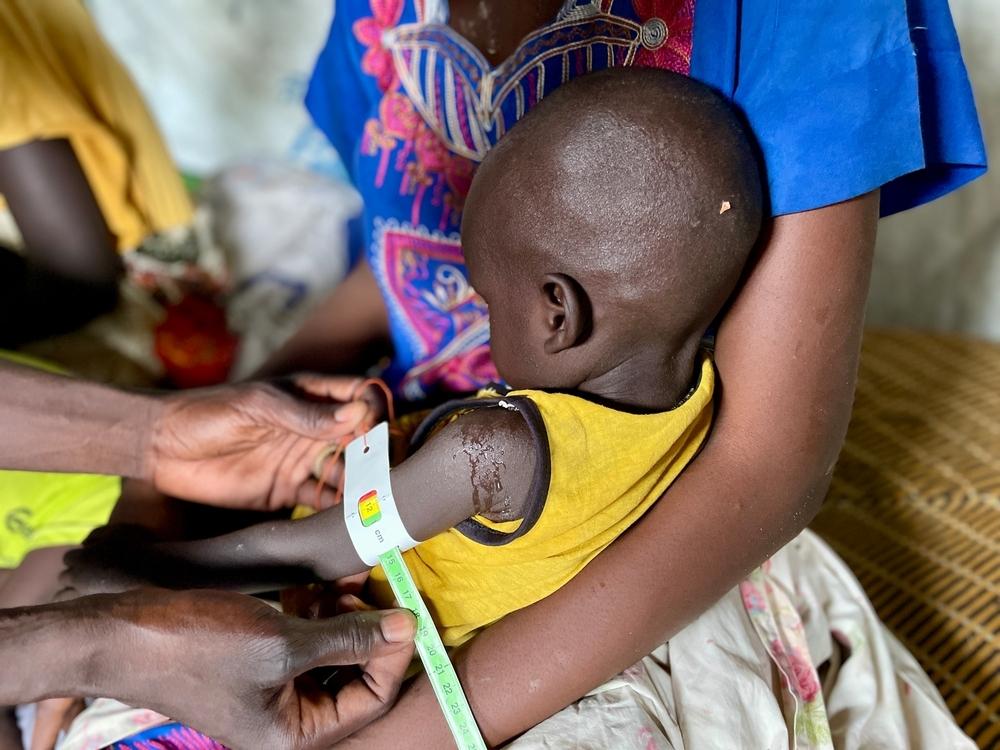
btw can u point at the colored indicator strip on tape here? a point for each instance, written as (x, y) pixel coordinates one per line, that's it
(369, 509)
(435, 659)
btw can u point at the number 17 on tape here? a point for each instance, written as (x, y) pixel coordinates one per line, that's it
(438, 666)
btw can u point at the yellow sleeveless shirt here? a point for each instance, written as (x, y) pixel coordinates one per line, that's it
(599, 470)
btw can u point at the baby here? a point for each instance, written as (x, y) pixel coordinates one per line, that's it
(606, 231)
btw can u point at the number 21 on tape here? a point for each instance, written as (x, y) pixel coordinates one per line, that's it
(433, 655)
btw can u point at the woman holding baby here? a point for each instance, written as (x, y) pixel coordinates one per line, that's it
(860, 110)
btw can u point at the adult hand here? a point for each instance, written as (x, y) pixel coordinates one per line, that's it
(225, 664)
(255, 445)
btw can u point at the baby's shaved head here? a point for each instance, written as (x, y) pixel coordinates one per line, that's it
(639, 184)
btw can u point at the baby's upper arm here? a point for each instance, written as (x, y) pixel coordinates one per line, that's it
(483, 462)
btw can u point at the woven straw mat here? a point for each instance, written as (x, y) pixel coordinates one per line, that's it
(914, 509)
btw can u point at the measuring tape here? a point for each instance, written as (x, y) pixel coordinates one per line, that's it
(377, 532)
(438, 666)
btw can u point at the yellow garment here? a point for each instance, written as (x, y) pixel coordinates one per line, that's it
(607, 468)
(59, 79)
(49, 510)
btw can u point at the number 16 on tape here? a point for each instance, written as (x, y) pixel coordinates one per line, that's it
(435, 659)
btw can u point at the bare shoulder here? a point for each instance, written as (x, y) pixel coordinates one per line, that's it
(484, 462)
(501, 452)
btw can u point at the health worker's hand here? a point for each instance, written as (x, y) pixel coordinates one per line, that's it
(255, 445)
(235, 669)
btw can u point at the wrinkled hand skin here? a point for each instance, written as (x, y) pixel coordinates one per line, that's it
(252, 446)
(234, 668)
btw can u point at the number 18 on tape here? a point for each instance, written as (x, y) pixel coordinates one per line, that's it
(435, 659)
(377, 532)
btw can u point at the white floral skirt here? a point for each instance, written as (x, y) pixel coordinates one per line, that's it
(794, 657)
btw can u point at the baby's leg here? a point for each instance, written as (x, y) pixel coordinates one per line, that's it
(35, 580)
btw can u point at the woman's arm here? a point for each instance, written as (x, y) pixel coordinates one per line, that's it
(346, 333)
(787, 355)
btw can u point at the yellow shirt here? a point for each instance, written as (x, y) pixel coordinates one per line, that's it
(605, 469)
(58, 79)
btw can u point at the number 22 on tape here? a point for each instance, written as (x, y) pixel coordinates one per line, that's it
(438, 666)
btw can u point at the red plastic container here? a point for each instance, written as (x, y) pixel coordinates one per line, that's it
(194, 343)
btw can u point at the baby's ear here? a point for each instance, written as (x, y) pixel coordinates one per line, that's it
(568, 317)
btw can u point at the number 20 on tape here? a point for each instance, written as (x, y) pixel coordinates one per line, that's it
(438, 666)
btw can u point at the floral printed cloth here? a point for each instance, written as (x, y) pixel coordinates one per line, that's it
(794, 658)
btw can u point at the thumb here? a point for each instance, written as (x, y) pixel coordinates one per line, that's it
(343, 389)
(352, 638)
(323, 421)
(331, 387)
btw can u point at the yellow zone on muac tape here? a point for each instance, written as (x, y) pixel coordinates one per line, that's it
(368, 508)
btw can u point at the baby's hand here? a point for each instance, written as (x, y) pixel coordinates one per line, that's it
(112, 559)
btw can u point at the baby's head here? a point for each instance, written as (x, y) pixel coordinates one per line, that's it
(610, 226)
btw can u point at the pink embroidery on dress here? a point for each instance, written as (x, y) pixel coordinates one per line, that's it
(458, 174)
(675, 52)
(424, 160)
(377, 60)
(447, 323)
(431, 160)
(460, 373)
(426, 272)
(397, 121)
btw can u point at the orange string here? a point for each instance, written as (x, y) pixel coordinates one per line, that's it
(366, 423)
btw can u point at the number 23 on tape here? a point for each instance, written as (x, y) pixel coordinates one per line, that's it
(440, 671)
(377, 533)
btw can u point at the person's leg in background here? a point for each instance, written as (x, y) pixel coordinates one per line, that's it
(70, 266)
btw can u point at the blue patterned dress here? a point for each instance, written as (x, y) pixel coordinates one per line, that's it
(844, 97)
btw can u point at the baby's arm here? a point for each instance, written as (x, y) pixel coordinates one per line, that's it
(485, 459)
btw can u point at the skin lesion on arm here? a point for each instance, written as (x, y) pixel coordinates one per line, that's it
(482, 463)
